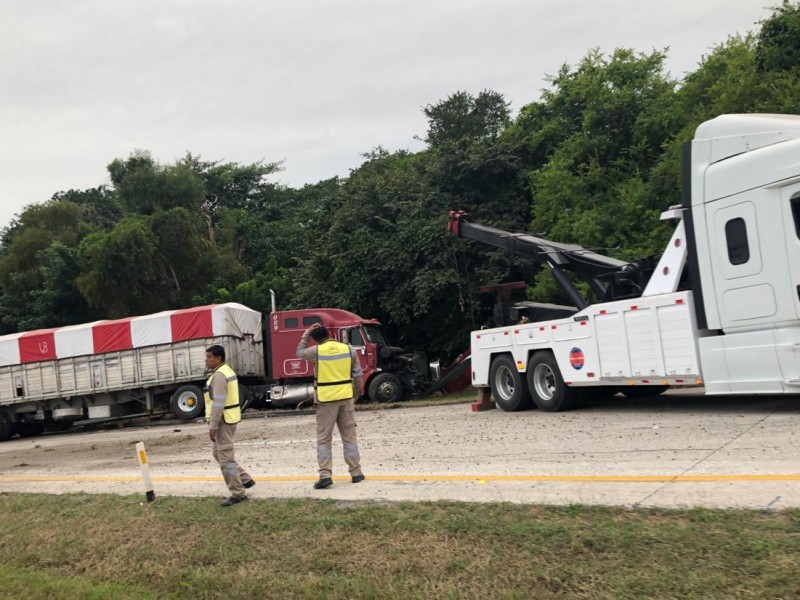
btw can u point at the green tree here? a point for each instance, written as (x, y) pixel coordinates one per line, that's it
(145, 187)
(228, 186)
(38, 265)
(381, 252)
(591, 142)
(119, 274)
(778, 41)
(463, 115)
(100, 207)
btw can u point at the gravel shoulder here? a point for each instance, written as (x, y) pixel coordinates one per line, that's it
(679, 449)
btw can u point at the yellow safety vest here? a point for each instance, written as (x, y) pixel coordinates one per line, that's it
(232, 413)
(334, 363)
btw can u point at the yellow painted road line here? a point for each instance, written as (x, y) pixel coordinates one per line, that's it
(438, 478)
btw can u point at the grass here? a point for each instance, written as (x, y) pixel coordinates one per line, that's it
(104, 546)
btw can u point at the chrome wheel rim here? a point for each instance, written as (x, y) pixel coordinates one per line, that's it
(544, 382)
(504, 383)
(187, 402)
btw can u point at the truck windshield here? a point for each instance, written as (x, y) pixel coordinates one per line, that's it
(375, 335)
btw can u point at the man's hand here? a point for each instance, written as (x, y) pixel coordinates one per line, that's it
(212, 433)
(307, 332)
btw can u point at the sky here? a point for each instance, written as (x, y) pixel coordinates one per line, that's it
(313, 84)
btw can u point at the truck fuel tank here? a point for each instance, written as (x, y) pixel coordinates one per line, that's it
(290, 395)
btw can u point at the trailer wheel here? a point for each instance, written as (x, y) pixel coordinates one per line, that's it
(642, 391)
(385, 387)
(508, 386)
(245, 397)
(187, 402)
(24, 430)
(548, 390)
(5, 428)
(58, 425)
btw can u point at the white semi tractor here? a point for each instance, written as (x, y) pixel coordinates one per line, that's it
(730, 322)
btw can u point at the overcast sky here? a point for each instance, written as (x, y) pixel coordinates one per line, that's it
(312, 83)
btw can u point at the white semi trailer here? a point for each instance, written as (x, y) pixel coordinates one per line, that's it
(731, 322)
(140, 365)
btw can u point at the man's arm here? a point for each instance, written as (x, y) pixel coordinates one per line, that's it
(355, 372)
(303, 351)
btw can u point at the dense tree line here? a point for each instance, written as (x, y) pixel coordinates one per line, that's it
(593, 161)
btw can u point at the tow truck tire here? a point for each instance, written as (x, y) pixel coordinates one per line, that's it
(642, 391)
(385, 387)
(508, 386)
(187, 402)
(5, 428)
(548, 390)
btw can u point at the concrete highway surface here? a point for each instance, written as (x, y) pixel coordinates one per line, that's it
(676, 450)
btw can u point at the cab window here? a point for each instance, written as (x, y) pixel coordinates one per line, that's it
(736, 236)
(796, 214)
(356, 339)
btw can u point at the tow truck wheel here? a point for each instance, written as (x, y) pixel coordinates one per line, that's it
(548, 390)
(187, 402)
(508, 386)
(385, 387)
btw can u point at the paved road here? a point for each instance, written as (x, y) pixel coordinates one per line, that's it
(676, 450)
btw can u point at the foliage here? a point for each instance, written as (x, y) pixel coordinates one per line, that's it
(145, 187)
(593, 160)
(38, 265)
(381, 251)
(778, 47)
(227, 186)
(119, 273)
(462, 116)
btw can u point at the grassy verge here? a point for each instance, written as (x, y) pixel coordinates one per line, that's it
(103, 546)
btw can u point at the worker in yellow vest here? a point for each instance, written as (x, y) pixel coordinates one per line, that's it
(337, 382)
(223, 413)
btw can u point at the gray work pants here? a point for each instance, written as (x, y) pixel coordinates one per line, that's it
(341, 413)
(235, 476)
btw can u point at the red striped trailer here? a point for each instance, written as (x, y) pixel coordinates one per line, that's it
(139, 365)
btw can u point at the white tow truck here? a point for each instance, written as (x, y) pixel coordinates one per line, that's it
(719, 308)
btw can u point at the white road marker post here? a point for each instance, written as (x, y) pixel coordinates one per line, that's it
(148, 483)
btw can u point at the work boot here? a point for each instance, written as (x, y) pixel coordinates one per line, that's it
(358, 478)
(323, 483)
(233, 500)
(249, 484)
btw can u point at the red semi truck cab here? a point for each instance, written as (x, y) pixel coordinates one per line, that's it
(388, 374)
(287, 327)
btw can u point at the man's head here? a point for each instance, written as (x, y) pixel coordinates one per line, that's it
(215, 356)
(320, 333)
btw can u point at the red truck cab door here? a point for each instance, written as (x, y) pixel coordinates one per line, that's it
(364, 351)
